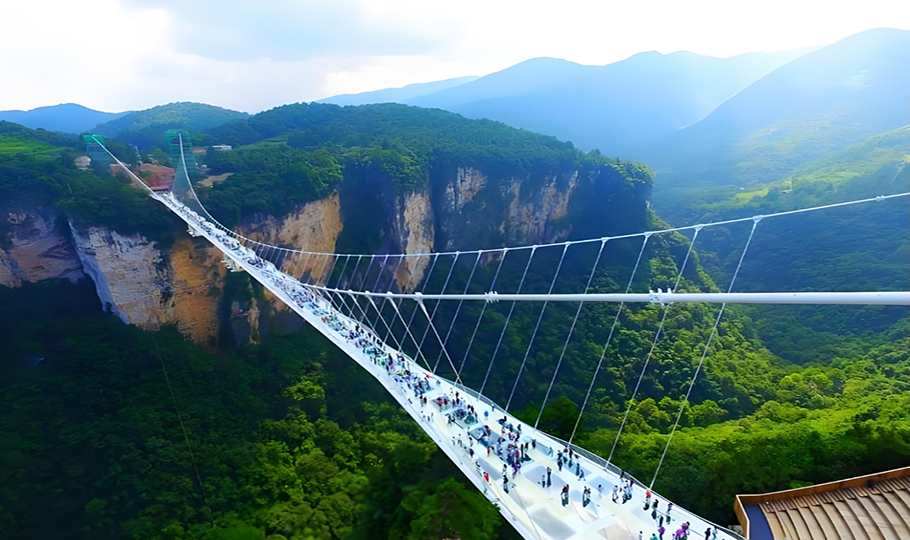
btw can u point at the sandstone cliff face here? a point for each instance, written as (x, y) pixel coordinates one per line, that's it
(464, 209)
(149, 287)
(458, 209)
(37, 248)
(414, 225)
(314, 227)
(470, 210)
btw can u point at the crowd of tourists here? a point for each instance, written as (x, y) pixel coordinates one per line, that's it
(507, 444)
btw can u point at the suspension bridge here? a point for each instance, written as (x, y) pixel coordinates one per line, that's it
(545, 487)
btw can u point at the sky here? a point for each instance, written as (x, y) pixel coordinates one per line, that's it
(116, 55)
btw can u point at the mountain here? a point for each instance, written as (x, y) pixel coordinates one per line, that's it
(295, 438)
(66, 117)
(614, 108)
(814, 105)
(396, 95)
(146, 128)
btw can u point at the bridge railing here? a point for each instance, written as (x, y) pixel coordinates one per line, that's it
(599, 461)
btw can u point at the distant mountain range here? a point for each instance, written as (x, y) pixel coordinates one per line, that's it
(66, 118)
(396, 95)
(811, 107)
(704, 124)
(146, 128)
(615, 108)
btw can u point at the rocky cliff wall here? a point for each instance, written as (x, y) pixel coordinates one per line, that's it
(150, 287)
(36, 248)
(461, 208)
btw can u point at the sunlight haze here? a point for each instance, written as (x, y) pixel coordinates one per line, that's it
(129, 54)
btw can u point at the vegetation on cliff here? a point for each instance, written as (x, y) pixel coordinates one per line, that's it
(36, 168)
(305, 445)
(146, 128)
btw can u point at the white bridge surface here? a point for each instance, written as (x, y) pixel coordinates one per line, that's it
(535, 510)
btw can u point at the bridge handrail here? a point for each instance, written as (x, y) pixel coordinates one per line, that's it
(594, 458)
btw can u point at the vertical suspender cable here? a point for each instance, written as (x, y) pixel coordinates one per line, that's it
(569, 335)
(436, 306)
(482, 311)
(644, 367)
(536, 327)
(439, 338)
(407, 330)
(705, 353)
(360, 287)
(423, 289)
(603, 353)
(458, 309)
(508, 318)
(366, 319)
(382, 304)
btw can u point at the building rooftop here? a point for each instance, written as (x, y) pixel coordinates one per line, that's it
(871, 507)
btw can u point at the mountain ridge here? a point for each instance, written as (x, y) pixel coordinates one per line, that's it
(64, 117)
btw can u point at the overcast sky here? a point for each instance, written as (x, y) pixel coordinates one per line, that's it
(252, 55)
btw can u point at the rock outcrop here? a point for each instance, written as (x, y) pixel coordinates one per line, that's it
(149, 287)
(461, 208)
(36, 247)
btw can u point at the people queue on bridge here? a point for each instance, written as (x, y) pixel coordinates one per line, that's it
(506, 444)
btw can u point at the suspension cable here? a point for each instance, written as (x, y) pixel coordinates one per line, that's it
(186, 435)
(407, 330)
(660, 327)
(508, 318)
(458, 308)
(704, 354)
(407, 285)
(382, 304)
(436, 306)
(483, 310)
(381, 318)
(603, 353)
(423, 289)
(565, 345)
(438, 338)
(536, 327)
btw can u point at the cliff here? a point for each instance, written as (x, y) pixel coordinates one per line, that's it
(457, 208)
(36, 247)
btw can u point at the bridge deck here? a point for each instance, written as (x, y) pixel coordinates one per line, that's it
(536, 510)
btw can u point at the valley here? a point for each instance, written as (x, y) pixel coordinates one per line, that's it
(149, 392)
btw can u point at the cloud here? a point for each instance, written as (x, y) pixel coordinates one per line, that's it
(252, 55)
(289, 30)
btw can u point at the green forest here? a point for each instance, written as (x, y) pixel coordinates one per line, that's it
(111, 432)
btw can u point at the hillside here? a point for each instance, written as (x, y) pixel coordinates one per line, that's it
(289, 438)
(65, 118)
(817, 104)
(146, 128)
(615, 107)
(395, 95)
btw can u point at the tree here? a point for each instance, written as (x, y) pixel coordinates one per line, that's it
(446, 510)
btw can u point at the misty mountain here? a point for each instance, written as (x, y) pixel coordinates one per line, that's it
(66, 117)
(396, 95)
(146, 128)
(817, 104)
(615, 107)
